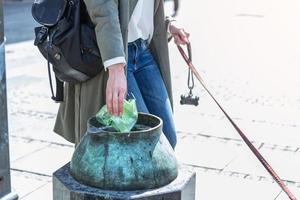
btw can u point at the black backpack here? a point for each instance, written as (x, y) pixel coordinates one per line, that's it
(67, 40)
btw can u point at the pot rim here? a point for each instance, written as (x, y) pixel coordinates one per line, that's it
(90, 129)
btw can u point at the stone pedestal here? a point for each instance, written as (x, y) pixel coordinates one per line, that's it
(65, 187)
(10, 196)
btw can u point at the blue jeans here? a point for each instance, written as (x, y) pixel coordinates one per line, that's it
(146, 84)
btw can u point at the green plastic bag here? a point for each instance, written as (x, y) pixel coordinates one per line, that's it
(123, 123)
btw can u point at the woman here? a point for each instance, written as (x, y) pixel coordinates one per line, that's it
(132, 39)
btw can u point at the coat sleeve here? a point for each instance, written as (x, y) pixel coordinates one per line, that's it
(105, 15)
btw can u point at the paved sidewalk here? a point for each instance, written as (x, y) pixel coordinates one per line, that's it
(248, 53)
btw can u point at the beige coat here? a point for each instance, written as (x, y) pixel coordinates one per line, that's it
(81, 101)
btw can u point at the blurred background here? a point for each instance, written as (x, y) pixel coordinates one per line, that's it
(248, 54)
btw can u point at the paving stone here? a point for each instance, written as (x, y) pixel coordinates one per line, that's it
(24, 183)
(285, 163)
(19, 148)
(23, 58)
(274, 134)
(202, 122)
(215, 187)
(247, 163)
(45, 161)
(295, 191)
(206, 153)
(257, 130)
(34, 128)
(44, 193)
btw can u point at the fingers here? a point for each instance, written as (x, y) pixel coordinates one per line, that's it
(109, 98)
(187, 34)
(115, 93)
(121, 102)
(115, 101)
(178, 40)
(118, 102)
(181, 37)
(115, 104)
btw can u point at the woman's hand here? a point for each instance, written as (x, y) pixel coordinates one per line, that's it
(116, 89)
(179, 34)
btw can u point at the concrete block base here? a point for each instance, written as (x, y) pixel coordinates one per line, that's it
(65, 187)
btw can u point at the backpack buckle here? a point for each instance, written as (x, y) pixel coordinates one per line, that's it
(41, 35)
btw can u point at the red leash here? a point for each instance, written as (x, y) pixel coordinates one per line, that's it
(246, 140)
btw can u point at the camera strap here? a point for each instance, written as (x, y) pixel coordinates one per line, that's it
(266, 165)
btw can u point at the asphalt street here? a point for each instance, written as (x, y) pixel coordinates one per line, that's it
(19, 23)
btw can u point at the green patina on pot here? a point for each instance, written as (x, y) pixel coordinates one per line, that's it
(140, 159)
